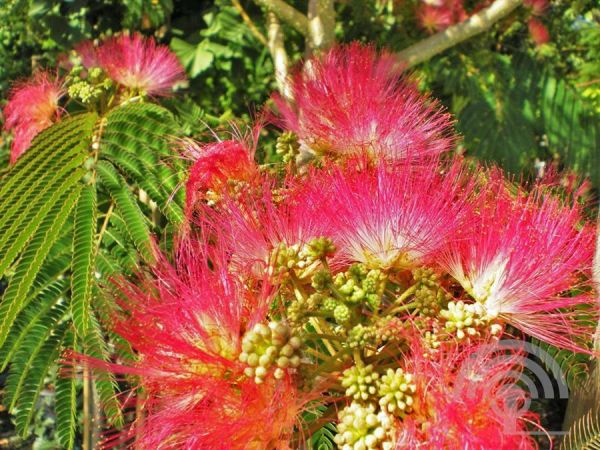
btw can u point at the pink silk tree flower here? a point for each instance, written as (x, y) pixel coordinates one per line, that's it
(518, 255)
(217, 169)
(88, 54)
(32, 106)
(256, 229)
(185, 322)
(538, 31)
(434, 18)
(467, 398)
(390, 216)
(139, 63)
(352, 100)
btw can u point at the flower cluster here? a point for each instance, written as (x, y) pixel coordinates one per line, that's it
(370, 291)
(99, 77)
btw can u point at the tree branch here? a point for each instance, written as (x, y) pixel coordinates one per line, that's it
(278, 54)
(321, 25)
(286, 13)
(451, 36)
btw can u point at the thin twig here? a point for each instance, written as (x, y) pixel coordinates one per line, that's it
(104, 225)
(588, 83)
(248, 21)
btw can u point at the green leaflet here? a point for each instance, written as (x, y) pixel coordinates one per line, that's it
(28, 350)
(34, 313)
(584, 434)
(33, 186)
(34, 381)
(574, 366)
(149, 182)
(528, 113)
(32, 259)
(83, 267)
(66, 402)
(13, 241)
(35, 161)
(94, 345)
(135, 138)
(134, 219)
(55, 167)
(322, 439)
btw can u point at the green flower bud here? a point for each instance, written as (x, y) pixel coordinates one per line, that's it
(330, 303)
(341, 313)
(362, 427)
(269, 349)
(321, 280)
(320, 247)
(287, 146)
(395, 390)
(360, 382)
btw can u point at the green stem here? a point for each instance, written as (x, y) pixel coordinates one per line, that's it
(407, 293)
(402, 308)
(357, 358)
(299, 290)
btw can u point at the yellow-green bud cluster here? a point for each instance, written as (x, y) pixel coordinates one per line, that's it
(321, 281)
(467, 319)
(300, 308)
(426, 276)
(269, 346)
(431, 340)
(429, 300)
(299, 257)
(285, 257)
(287, 146)
(429, 296)
(361, 427)
(320, 247)
(362, 335)
(389, 328)
(84, 91)
(89, 88)
(360, 382)
(361, 285)
(395, 391)
(342, 313)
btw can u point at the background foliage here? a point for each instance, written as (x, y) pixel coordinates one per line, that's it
(515, 102)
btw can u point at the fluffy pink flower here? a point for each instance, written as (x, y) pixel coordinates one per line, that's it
(253, 227)
(439, 15)
(467, 399)
(139, 63)
(185, 323)
(352, 100)
(32, 107)
(390, 216)
(518, 254)
(432, 18)
(216, 168)
(538, 31)
(88, 53)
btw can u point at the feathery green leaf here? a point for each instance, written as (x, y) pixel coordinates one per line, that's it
(15, 296)
(83, 258)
